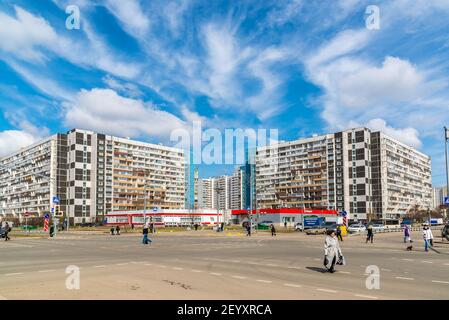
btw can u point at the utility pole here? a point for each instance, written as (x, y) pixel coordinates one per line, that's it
(446, 139)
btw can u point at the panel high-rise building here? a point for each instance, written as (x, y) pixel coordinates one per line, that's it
(368, 174)
(92, 174)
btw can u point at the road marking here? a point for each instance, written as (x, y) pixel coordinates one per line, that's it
(327, 290)
(194, 270)
(148, 264)
(239, 277)
(264, 281)
(177, 268)
(365, 296)
(215, 274)
(2, 297)
(426, 261)
(13, 274)
(294, 267)
(438, 281)
(403, 278)
(235, 261)
(42, 271)
(292, 285)
(446, 264)
(345, 272)
(408, 259)
(272, 265)
(101, 266)
(161, 266)
(122, 264)
(383, 269)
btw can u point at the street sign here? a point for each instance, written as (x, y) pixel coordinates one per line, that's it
(154, 209)
(446, 200)
(56, 200)
(47, 216)
(52, 210)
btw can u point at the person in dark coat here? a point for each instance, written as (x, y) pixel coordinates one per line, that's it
(7, 230)
(273, 230)
(112, 231)
(370, 234)
(339, 236)
(248, 230)
(117, 230)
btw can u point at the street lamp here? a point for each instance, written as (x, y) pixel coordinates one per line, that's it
(218, 191)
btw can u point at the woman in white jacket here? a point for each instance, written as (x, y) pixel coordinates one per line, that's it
(427, 236)
(332, 251)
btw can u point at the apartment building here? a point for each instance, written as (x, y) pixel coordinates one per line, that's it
(364, 173)
(438, 195)
(223, 193)
(92, 174)
(206, 196)
(30, 177)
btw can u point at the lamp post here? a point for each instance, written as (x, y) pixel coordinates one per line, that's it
(218, 191)
(446, 139)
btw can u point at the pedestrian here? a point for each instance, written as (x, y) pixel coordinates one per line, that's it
(370, 234)
(339, 236)
(427, 236)
(273, 230)
(407, 234)
(248, 230)
(112, 231)
(117, 230)
(132, 226)
(285, 224)
(196, 226)
(332, 251)
(7, 231)
(145, 239)
(52, 230)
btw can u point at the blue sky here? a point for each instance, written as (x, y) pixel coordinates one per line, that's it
(141, 69)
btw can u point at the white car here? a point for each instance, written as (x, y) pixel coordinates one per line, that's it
(377, 227)
(353, 228)
(299, 227)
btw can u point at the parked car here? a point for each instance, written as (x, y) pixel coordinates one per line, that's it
(299, 227)
(357, 227)
(331, 227)
(377, 227)
(266, 223)
(316, 230)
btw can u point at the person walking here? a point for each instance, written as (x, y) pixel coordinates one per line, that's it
(117, 230)
(339, 236)
(145, 239)
(407, 234)
(7, 231)
(248, 230)
(273, 230)
(112, 231)
(332, 251)
(370, 234)
(427, 236)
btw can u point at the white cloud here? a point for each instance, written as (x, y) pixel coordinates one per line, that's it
(131, 15)
(25, 34)
(358, 91)
(103, 110)
(14, 140)
(409, 136)
(128, 89)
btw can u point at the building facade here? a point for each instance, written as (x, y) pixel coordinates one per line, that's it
(93, 174)
(367, 174)
(438, 196)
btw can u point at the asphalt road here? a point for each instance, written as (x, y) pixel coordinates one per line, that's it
(207, 265)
